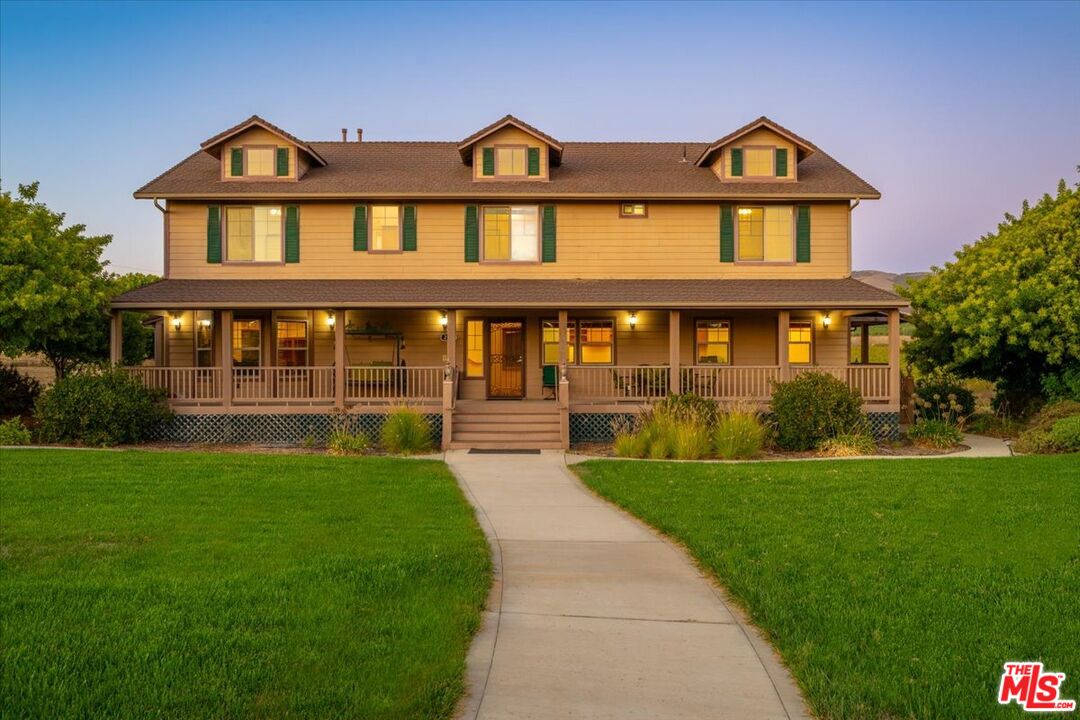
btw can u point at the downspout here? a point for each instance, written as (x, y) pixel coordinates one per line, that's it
(850, 210)
(165, 233)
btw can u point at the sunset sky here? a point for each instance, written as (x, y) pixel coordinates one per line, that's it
(955, 112)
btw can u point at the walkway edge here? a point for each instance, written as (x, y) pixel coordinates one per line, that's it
(783, 682)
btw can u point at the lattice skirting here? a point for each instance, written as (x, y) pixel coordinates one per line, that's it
(598, 427)
(276, 429)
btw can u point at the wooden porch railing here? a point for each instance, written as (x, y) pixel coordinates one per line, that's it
(182, 385)
(730, 382)
(283, 384)
(621, 382)
(385, 384)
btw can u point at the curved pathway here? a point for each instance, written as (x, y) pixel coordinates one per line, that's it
(594, 615)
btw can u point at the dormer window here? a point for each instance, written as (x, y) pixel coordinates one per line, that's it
(510, 161)
(259, 161)
(758, 162)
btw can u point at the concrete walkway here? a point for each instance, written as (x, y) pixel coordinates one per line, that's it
(593, 615)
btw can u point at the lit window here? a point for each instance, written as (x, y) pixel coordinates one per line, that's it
(596, 341)
(633, 210)
(292, 343)
(385, 227)
(253, 234)
(260, 161)
(204, 339)
(758, 162)
(800, 343)
(509, 161)
(713, 342)
(551, 341)
(510, 234)
(247, 342)
(765, 234)
(474, 348)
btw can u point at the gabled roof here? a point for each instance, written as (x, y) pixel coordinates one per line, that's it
(805, 147)
(466, 145)
(213, 145)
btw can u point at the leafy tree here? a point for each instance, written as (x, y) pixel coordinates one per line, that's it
(54, 290)
(1008, 308)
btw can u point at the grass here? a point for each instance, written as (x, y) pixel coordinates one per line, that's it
(893, 589)
(155, 584)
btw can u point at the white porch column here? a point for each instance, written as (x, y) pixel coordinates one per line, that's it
(783, 321)
(894, 360)
(226, 358)
(116, 337)
(673, 351)
(339, 358)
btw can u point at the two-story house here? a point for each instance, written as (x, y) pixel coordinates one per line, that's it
(522, 290)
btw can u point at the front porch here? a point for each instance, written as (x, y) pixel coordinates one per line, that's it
(599, 362)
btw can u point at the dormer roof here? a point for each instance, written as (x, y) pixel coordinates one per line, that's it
(805, 148)
(555, 148)
(214, 144)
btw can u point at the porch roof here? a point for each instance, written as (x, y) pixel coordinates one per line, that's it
(628, 294)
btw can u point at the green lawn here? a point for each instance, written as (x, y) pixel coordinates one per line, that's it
(893, 589)
(175, 585)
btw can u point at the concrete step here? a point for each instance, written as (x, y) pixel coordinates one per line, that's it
(472, 425)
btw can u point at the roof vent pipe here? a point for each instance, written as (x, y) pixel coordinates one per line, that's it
(359, 134)
(344, 135)
(683, 154)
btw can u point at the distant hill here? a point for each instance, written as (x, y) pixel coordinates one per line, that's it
(886, 280)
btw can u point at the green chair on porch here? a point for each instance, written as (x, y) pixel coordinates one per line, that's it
(551, 379)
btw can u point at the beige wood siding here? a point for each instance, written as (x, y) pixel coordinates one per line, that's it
(722, 164)
(675, 241)
(510, 136)
(257, 136)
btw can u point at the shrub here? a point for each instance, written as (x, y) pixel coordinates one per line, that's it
(630, 444)
(1039, 438)
(1035, 441)
(13, 432)
(343, 442)
(1066, 434)
(813, 407)
(100, 406)
(938, 434)
(1062, 385)
(993, 425)
(687, 407)
(690, 441)
(943, 397)
(18, 392)
(848, 445)
(738, 435)
(406, 432)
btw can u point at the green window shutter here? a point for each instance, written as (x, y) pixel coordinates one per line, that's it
(213, 234)
(472, 233)
(283, 162)
(292, 234)
(237, 162)
(736, 162)
(781, 162)
(727, 234)
(359, 228)
(547, 234)
(534, 161)
(489, 161)
(802, 234)
(408, 229)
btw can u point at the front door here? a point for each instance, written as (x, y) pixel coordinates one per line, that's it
(506, 359)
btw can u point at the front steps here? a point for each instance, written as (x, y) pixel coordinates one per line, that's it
(506, 425)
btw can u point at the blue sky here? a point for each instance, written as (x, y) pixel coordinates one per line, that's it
(956, 112)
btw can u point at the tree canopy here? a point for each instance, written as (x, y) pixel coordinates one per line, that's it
(1008, 308)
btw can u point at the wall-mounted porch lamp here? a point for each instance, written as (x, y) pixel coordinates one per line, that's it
(633, 320)
(205, 322)
(826, 321)
(176, 321)
(330, 320)
(443, 319)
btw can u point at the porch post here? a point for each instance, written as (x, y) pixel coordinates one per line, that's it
(116, 337)
(563, 320)
(339, 358)
(673, 351)
(783, 321)
(562, 383)
(226, 358)
(894, 360)
(451, 338)
(449, 385)
(864, 344)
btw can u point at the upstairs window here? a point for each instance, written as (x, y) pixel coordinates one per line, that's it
(260, 161)
(510, 161)
(253, 234)
(633, 210)
(765, 234)
(385, 228)
(758, 162)
(510, 234)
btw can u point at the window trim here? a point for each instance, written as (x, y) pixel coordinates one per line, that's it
(234, 347)
(524, 166)
(539, 236)
(632, 216)
(483, 348)
(576, 322)
(730, 343)
(862, 351)
(196, 349)
(793, 165)
(571, 322)
(813, 342)
(763, 261)
(371, 230)
(277, 341)
(225, 236)
(226, 159)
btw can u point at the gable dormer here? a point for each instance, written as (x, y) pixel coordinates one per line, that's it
(759, 151)
(257, 150)
(510, 149)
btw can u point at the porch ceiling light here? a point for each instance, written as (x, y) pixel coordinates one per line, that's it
(826, 321)
(633, 320)
(443, 319)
